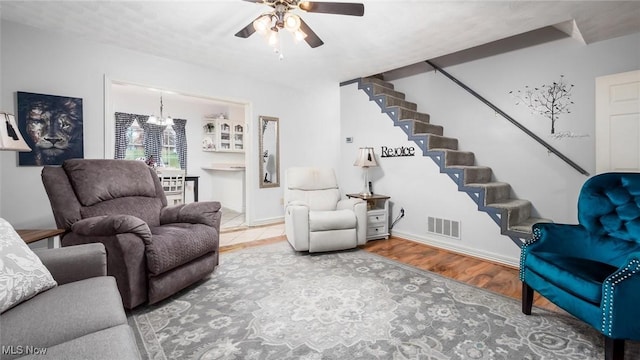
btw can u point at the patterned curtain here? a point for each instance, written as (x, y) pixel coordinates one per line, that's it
(123, 122)
(179, 126)
(153, 138)
(153, 141)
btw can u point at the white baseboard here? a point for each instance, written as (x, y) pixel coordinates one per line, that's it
(458, 248)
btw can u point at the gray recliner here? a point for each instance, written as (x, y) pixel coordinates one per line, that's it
(154, 250)
(316, 218)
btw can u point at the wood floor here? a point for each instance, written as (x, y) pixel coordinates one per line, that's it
(473, 271)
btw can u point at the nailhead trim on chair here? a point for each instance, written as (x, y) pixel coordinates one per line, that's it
(607, 313)
(524, 252)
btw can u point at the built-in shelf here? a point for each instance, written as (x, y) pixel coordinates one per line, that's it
(224, 167)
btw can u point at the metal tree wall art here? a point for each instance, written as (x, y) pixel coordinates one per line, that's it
(548, 100)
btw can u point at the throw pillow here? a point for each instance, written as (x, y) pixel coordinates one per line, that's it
(22, 274)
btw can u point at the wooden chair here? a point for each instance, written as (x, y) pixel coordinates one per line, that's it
(172, 181)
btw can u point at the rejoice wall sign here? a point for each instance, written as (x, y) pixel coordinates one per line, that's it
(397, 151)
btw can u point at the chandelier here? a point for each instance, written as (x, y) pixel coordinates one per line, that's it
(162, 121)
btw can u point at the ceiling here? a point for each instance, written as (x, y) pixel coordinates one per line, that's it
(392, 33)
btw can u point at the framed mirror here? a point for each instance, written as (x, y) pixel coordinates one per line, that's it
(269, 152)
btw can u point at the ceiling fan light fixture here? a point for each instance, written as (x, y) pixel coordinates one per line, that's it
(292, 22)
(272, 37)
(262, 24)
(152, 120)
(304, 5)
(299, 35)
(283, 17)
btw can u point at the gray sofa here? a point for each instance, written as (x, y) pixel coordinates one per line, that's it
(81, 318)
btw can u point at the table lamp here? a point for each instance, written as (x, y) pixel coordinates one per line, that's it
(366, 159)
(10, 137)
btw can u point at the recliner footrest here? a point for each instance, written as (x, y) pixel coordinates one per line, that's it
(177, 244)
(331, 220)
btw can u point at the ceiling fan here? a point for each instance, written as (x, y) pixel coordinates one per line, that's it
(281, 18)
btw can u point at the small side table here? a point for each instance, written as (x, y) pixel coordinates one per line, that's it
(193, 179)
(33, 235)
(377, 215)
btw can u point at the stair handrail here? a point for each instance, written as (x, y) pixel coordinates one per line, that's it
(510, 119)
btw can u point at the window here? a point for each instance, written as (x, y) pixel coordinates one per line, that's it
(170, 156)
(135, 142)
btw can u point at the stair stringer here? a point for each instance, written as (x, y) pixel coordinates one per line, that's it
(476, 194)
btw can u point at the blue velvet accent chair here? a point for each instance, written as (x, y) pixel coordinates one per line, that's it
(592, 269)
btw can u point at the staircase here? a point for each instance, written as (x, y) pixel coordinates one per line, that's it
(512, 215)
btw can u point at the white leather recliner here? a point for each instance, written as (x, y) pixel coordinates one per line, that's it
(315, 217)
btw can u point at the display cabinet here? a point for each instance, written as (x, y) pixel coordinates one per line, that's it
(222, 135)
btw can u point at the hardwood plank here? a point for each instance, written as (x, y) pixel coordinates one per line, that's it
(477, 272)
(224, 249)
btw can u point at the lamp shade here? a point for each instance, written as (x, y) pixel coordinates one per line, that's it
(292, 22)
(366, 158)
(10, 137)
(262, 24)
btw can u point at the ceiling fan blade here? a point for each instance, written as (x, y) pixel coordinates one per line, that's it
(352, 9)
(312, 39)
(247, 30)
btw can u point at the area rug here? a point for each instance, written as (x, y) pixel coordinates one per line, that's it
(270, 302)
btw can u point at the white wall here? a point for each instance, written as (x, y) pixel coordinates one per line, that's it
(51, 63)
(415, 183)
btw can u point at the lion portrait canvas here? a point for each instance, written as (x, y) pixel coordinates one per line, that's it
(52, 126)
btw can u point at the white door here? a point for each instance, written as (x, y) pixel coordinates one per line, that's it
(618, 122)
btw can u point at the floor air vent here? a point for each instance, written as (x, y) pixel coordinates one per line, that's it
(444, 227)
